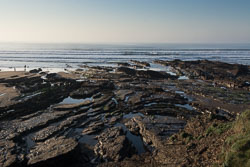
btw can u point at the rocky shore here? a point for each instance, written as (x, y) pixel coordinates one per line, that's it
(127, 115)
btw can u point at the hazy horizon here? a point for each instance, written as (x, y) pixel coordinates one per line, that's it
(125, 21)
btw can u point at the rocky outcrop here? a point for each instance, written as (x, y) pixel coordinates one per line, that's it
(148, 74)
(127, 70)
(93, 127)
(120, 115)
(156, 129)
(8, 158)
(113, 145)
(154, 74)
(84, 92)
(230, 75)
(54, 152)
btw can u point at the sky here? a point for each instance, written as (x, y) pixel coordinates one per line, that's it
(125, 21)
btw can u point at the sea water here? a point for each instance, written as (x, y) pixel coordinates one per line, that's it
(61, 56)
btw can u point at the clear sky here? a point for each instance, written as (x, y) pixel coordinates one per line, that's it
(125, 21)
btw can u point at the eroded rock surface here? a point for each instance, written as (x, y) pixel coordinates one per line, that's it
(155, 129)
(113, 116)
(7, 153)
(113, 145)
(230, 75)
(54, 152)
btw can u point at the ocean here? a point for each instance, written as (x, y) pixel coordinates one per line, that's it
(58, 56)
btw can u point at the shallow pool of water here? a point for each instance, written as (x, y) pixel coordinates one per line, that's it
(150, 104)
(29, 142)
(183, 77)
(88, 139)
(135, 140)
(187, 106)
(70, 100)
(183, 94)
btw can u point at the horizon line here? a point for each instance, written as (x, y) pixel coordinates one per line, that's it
(119, 43)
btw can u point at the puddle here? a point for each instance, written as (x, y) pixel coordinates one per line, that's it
(189, 98)
(88, 139)
(115, 100)
(171, 73)
(70, 100)
(179, 92)
(126, 98)
(150, 104)
(183, 94)
(29, 142)
(135, 140)
(2, 94)
(187, 106)
(183, 78)
(131, 115)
